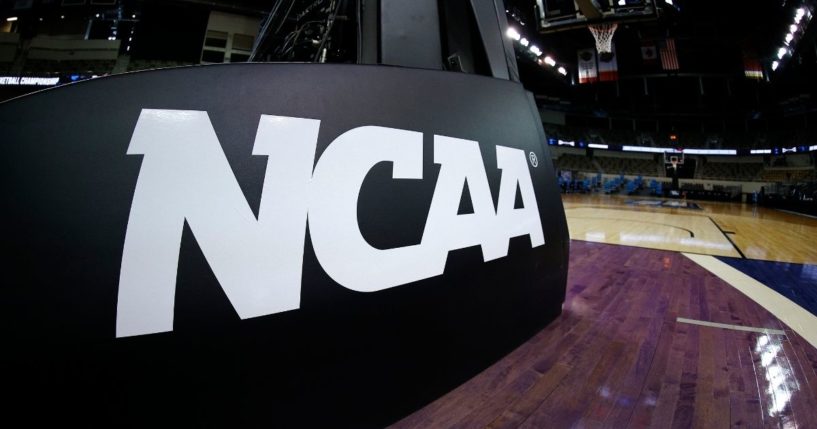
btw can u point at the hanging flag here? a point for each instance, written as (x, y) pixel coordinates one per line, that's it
(608, 70)
(669, 56)
(588, 70)
(751, 65)
(649, 54)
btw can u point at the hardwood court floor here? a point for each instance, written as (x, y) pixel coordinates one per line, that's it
(619, 356)
(722, 229)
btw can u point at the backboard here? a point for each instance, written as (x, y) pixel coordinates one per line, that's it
(677, 156)
(561, 15)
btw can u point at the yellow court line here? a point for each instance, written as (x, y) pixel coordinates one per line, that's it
(796, 317)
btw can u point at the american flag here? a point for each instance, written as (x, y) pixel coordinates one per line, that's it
(669, 56)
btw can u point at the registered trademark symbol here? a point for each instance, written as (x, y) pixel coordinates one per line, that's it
(534, 161)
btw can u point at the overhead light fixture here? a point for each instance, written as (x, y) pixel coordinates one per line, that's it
(513, 34)
(798, 16)
(550, 61)
(789, 38)
(793, 28)
(562, 72)
(781, 53)
(622, 2)
(775, 65)
(11, 19)
(535, 50)
(524, 42)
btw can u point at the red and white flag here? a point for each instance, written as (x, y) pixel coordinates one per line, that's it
(751, 65)
(669, 56)
(588, 70)
(608, 70)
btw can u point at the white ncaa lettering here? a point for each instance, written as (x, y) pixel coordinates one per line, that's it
(185, 177)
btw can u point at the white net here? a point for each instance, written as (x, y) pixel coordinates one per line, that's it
(603, 33)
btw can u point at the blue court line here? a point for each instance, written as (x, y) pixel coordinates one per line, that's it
(797, 282)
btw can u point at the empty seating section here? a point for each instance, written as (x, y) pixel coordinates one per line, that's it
(705, 140)
(634, 185)
(613, 185)
(9, 47)
(135, 65)
(575, 163)
(656, 187)
(739, 171)
(64, 55)
(789, 176)
(628, 166)
(54, 67)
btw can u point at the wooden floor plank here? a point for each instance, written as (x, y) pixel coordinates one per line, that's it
(618, 358)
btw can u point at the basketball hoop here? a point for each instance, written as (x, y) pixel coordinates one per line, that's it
(674, 160)
(603, 33)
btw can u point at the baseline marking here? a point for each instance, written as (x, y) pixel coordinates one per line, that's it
(796, 317)
(725, 234)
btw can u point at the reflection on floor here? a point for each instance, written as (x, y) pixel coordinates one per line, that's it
(619, 356)
(667, 231)
(676, 204)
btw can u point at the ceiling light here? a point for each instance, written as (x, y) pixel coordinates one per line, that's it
(775, 64)
(524, 42)
(562, 71)
(793, 28)
(513, 34)
(536, 51)
(11, 19)
(550, 61)
(781, 52)
(789, 38)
